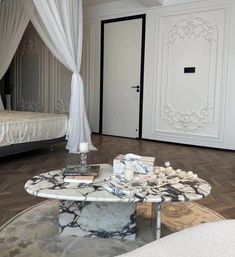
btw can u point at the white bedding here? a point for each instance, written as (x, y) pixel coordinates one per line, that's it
(21, 127)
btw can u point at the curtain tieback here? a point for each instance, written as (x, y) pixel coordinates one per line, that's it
(76, 75)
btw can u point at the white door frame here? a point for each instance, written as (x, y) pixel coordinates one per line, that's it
(103, 22)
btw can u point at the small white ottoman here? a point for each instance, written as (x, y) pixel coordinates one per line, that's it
(215, 239)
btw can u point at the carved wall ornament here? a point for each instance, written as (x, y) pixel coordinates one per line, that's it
(61, 107)
(192, 27)
(189, 28)
(31, 45)
(186, 120)
(29, 105)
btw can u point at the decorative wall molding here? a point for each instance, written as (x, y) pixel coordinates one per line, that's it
(180, 116)
(192, 27)
(27, 105)
(31, 73)
(30, 45)
(186, 120)
(60, 106)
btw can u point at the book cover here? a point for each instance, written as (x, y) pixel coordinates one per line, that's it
(93, 170)
(79, 179)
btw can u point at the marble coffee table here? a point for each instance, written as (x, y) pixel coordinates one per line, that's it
(92, 211)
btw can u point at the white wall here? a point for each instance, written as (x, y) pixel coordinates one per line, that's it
(185, 108)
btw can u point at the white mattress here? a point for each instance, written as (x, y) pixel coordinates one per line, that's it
(21, 127)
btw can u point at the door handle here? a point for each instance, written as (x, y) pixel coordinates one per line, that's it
(136, 87)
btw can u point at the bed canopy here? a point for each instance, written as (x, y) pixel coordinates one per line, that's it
(59, 24)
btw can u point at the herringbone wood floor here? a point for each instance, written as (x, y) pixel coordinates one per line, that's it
(215, 166)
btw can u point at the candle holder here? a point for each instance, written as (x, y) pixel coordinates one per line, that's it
(83, 167)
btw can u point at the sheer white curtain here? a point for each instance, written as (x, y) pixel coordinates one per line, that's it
(13, 21)
(60, 25)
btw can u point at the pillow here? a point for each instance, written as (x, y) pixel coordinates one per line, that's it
(1, 104)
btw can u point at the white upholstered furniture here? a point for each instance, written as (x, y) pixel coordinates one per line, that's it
(215, 239)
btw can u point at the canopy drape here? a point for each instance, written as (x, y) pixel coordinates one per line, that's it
(13, 21)
(60, 25)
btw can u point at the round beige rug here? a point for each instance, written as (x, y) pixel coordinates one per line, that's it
(34, 232)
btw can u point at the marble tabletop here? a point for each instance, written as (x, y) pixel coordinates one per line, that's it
(52, 185)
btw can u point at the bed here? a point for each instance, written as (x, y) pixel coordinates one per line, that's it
(23, 131)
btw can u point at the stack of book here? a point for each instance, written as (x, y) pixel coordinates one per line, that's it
(72, 174)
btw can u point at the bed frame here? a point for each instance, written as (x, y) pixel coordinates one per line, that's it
(23, 147)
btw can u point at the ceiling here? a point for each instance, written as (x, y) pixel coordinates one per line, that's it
(95, 2)
(143, 2)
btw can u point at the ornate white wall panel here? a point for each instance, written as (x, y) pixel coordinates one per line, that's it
(196, 38)
(190, 103)
(229, 135)
(187, 107)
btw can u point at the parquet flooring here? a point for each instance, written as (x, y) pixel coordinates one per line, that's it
(215, 166)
